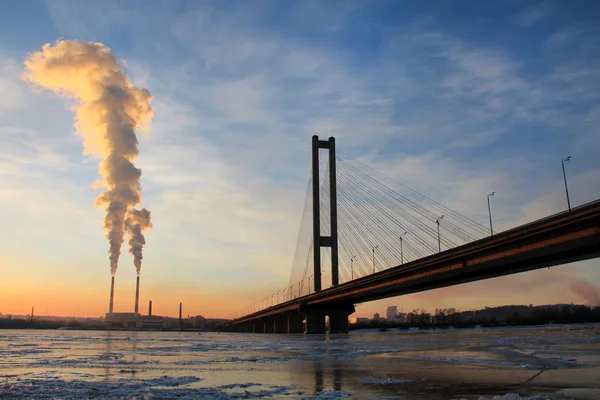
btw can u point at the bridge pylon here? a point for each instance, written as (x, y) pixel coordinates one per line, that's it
(318, 240)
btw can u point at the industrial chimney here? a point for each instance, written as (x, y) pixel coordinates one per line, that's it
(137, 295)
(150, 308)
(112, 295)
(180, 321)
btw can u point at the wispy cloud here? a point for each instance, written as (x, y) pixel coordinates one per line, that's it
(535, 13)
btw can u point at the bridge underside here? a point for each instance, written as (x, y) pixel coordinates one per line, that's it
(560, 239)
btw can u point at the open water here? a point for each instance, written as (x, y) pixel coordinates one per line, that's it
(548, 362)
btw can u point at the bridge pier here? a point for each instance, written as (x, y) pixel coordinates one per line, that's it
(258, 326)
(315, 320)
(279, 323)
(294, 322)
(338, 319)
(268, 325)
(315, 323)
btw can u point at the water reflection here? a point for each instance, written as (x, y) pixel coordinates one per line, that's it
(133, 351)
(107, 356)
(327, 375)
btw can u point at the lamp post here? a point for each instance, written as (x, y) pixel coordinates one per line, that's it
(309, 283)
(284, 298)
(568, 158)
(401, 249)
(352, 266)
(490, 212)
(437, 221)
(374, 247)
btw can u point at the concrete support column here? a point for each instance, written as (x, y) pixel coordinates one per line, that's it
(315, 319)
(338, 320)
(268, 325)
(279, 324)
(315, 323)
(294, 322)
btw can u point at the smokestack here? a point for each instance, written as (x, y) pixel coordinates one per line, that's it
(32, 314)
(180, 321)
(112, 294)
(137, 294)
(109, 110)
(150, 308)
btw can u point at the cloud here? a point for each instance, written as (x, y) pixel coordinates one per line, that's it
(535, 14)
(562, 37)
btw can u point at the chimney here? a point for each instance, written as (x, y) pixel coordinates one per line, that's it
(180, 321)
(137, 295)
(150, 308)
(112, 295)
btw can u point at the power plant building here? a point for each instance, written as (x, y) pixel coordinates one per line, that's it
(136, 321)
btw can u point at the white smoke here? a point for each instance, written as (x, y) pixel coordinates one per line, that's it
(108, 111)
(136, 223)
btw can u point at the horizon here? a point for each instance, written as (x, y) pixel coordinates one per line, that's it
(453, 105)
(355, 315)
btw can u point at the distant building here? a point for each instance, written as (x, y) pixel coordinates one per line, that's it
(391, 313)
(96, 323)
(359, 320)
(401, 317)
(213, 323)
(376, 317)
(125, 320)
(137, 321)
(198, 322)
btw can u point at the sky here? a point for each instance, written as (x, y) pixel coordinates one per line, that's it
(453, 99)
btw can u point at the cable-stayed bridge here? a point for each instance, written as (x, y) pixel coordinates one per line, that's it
(372, 238)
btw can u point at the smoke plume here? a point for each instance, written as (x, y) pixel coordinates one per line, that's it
(586, 291)
(108, 111)
(136, 223)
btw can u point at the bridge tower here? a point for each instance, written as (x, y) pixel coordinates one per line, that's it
(318, 240)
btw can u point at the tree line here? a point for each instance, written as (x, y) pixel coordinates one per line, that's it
(489, 316)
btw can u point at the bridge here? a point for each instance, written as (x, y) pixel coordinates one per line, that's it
(375, 209)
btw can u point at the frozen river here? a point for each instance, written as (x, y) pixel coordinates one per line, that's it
(555, 362)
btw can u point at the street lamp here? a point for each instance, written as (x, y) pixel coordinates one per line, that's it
(309, 283)
(437, 221)
(568, 158)
(284, 298)
(401, 250)
(374, 247)
(490, 212)
(352, 266)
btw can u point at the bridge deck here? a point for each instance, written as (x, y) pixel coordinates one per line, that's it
(559, 239)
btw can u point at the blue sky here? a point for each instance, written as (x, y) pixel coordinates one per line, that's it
(454, 99)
